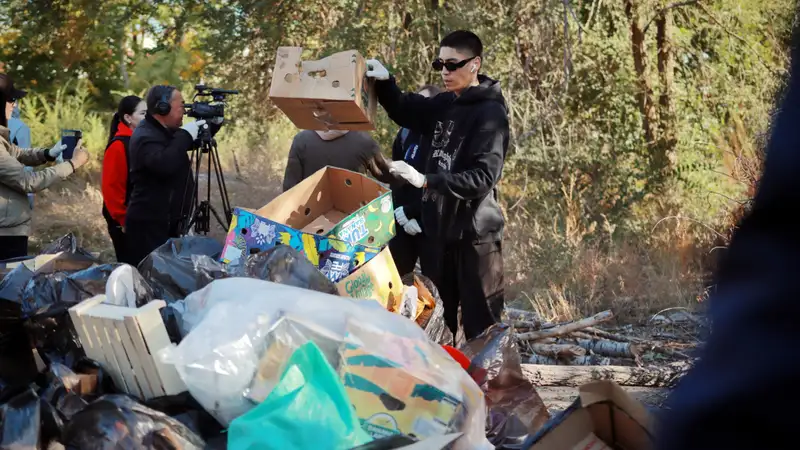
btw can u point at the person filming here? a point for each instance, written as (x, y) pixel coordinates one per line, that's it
(16, 182)
(160, 170)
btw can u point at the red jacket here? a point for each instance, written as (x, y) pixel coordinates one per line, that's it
(115, 176)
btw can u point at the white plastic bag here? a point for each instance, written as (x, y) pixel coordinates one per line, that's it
(126, 287)
(239, 325)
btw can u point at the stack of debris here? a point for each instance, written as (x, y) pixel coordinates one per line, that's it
(577, 352)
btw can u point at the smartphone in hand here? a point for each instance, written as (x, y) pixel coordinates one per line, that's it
(70, 138)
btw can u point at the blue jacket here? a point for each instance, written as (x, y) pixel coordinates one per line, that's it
(743, 392)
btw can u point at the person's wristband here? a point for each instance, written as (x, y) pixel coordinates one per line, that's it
(47, 156)
(73, 165)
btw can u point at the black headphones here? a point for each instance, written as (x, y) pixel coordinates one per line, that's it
(163, 106)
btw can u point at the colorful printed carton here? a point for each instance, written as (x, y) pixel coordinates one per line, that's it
(378, 279)
(250, 233)
(337, 203)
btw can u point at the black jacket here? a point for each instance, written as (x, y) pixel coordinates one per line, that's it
(406, 147)
(160, 173)
(467, 140)
(741, 392)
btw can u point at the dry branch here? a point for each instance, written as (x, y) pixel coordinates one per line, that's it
(547, 375)
(560, 351)
(568, 328)
(609, 348)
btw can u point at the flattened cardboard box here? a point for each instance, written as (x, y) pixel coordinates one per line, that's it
(603, 417)
(378, 279)
(332, 93)
(250, 233)
(337, 203)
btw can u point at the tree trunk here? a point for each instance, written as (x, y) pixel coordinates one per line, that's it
(609, 348)
(567, 328)
(665, 158)
(644, 92)
(560, 351)
(546, 375)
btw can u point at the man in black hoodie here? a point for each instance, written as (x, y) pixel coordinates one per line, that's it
(160, 172)
(467, 129)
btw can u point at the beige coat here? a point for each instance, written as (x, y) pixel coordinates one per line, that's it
(16, 183)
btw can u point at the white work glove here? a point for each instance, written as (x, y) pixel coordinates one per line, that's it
(412, 227)
(193, 128)
(57, 150)
(376, 70)
(400, 216)
(408, 173)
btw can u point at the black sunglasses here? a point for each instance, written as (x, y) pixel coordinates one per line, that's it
(438, 64)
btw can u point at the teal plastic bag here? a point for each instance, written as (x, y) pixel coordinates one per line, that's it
(308, 408)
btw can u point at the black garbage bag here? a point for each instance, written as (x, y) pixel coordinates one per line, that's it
(20, 419)
(515, 408)
(285, 265)
(13, 284)
(397, 441)
(118, 422)
(185, 409)
(67, 243)
(49, 294)
(170, 270)
(17, 363)
(433, 322)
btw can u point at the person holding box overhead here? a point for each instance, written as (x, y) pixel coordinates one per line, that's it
(16, 182)
(467, 138)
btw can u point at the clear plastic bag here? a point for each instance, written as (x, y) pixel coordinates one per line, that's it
(245, 319)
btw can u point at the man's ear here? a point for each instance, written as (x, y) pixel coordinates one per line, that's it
(476, 65)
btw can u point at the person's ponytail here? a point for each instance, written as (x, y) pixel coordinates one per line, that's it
(126, 106)
(114, 127)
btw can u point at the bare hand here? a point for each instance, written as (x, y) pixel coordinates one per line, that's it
(80, 157)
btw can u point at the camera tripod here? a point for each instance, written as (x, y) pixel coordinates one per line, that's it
(200, 210)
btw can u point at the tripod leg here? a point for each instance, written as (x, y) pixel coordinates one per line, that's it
(223, 188)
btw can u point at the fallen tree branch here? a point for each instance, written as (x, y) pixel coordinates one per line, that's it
(643, 344)
(585, 361)
(547, 375)
(560, 351)
(567, 328)
(610, 348)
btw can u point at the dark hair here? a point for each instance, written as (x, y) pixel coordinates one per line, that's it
(126, 106)
(433, 89)
(3, 118)
(156, 93)
(463, 41)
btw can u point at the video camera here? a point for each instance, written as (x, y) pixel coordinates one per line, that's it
(208, 109)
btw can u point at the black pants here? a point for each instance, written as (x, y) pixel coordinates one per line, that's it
(471, 276)
(117, 236)
(13, 247)
(144, 236)
(405, 250)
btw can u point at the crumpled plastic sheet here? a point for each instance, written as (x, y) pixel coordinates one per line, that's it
(50, 294)
(20, 419)
(67, 243)
(170, 269)
(515, 408)
(126, 287)
(118, 422)
(435, 327)
(13, 284)
(238, 337)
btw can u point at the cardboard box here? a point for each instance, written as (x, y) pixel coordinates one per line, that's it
(378, 279)
(391, 400)
(332, 93)
(337, 203)
(58, 262)
(604, 416)
(250, 234)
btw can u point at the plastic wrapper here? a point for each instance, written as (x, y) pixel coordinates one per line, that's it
(431, 321)
(117, 421)
(185, 409)
(67, 243)
(126, 287)
(515, 408)
(170, 269)
(48, 294)
(285, 265)
(223, 355)
(20, 420)
(307, 406)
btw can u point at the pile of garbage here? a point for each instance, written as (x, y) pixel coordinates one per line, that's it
(262, 354)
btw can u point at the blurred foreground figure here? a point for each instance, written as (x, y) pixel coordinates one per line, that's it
(742, 391)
